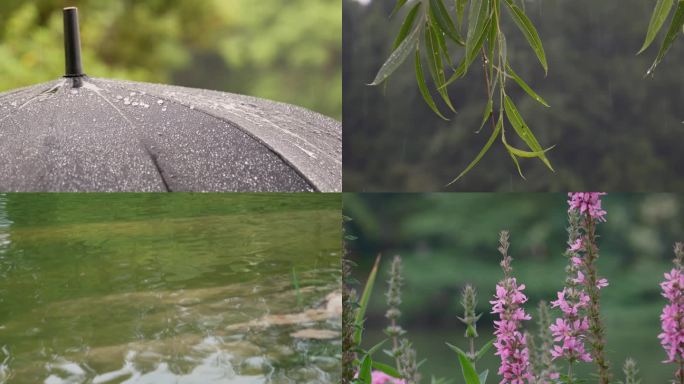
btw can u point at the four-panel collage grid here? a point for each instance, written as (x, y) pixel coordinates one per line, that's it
(341, 191)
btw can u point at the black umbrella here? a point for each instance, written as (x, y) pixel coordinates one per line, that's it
(88, 134)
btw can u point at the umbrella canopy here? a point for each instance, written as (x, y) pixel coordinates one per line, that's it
(89, 134)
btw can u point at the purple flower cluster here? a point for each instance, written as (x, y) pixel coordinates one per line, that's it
(672, 337)
(587, 202)
(510, 343)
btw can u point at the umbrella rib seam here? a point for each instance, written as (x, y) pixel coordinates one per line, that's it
(254, 137)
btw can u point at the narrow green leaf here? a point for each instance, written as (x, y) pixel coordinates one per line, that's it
(520, 153)
(365, 370)
(481, 154)
(456, 349)
(435, 65)
(530, 32)
(524, 86)
(483, 376)
(440, 14)
(523, 130)
(460, 11)
(672, 33)
(466, 61)
(485, 348)
(378, 366)
(478, 18)
(422, 86)
(363, 303)
(397, 57)
(397, 7)
(660, 13)
(486, 115)
(376, 347)
(406, 26)
(517, 165)
(469, 373)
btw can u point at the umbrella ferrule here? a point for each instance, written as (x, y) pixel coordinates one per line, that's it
(72, 43)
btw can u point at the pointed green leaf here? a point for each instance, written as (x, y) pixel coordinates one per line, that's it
(460, 11)
(486, 115)
(422, 86)
(397, 7)
(483, 376)
(660, 13)
(469, 373)
(523, 130)
(365, 370)
(441, 16)
(517, 165)
(530, 32)
(485, 348)
(456, 349)
(672, 33)
(376, 347)
(524, 86)
(435, 63)
(478, 19)
(481, 154)
(397, 57)
(520, 153)
(378, 366)
(406, 26)
(363, 303)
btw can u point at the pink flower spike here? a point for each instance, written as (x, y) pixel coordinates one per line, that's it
(576, 260)
(587, 202)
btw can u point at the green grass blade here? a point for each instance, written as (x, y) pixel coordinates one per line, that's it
(406, 26)
(363, 303)
(397, 57)
(525, 87)
(672, 33)
(660, 13)
(469, 373)
(530, 32)
(479, 156)
(422, 86)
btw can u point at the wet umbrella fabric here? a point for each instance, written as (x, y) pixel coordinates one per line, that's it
(123, 136)
(83, 134)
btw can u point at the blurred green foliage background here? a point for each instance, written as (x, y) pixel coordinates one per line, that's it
(283, 50)
(613, 129)
(447, 240)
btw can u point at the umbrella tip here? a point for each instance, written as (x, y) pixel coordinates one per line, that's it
(72, 43)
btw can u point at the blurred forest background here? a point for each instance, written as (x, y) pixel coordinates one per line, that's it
(613, 128)
(448, 240)
(283, 50)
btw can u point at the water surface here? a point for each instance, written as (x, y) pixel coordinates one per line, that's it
(173, 288)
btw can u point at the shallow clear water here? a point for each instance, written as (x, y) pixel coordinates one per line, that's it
(174, 288)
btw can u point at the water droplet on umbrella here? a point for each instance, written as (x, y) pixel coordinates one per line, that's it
(133, 94)
(164, 109)
(160, 102)
(118, 97)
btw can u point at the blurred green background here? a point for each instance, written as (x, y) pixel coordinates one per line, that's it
(448, 240)
(283, 50)
(614, 130)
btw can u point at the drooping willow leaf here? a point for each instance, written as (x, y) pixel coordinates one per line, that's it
(530, 32)
(523, 130)
(676, 24)
(422, 86)
(398, 56)
(524, 86)
(433, 51)
(482, 152)
(440, 14)
(397, 6)
(406, 26)
(660, 13)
